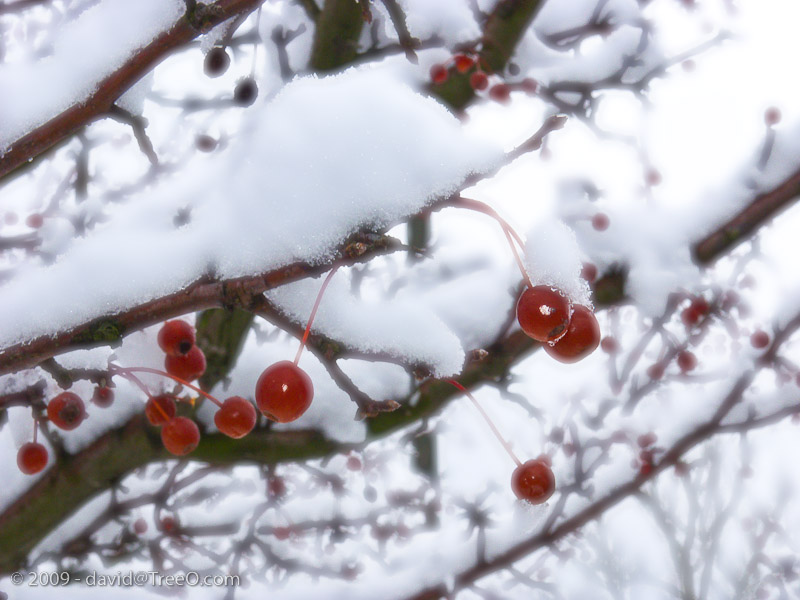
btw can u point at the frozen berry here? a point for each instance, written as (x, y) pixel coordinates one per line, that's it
(160, 409)
(216, 61)
(32, 458)
(543, 313)
(533, 481)
(176, 338)
(236, 417)
(66, 411)
(580, 340)
(180, 436)
(188, 367)
(284, 392)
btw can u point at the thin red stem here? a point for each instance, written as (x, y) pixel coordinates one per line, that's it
(314, 314)
(481, 207)
(124, 371)
(492, 426)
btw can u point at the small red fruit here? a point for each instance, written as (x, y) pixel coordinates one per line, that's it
(139, 526)
(103, 396)
(529, 85)
(160, 409)
(533, 481)
(600, 222)
(695, 311)
(176, 338)
(580, 340)
(284, 392)
(479, 81)
(609, 345)
(236, 417)
(66, 411)
(543, 313)
(34, 221)
(188, 367)
(463, 62)
(500, 92)
(438, 73)
(32, 458)
(655, 371)
(759, 339)
(772, 116)
(353, 463)
(180, 436)
(687, 361)
(589, 272)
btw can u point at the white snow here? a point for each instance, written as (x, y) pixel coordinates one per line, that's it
(34, 90)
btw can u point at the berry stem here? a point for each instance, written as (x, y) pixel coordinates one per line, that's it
(314, 314)
(35, 429)
(492, 426)
(481, 207)
(128, 372)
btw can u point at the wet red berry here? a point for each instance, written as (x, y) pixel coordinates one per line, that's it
(687, 361)
(543, 313)
(609, 345)
(533, 481)
(188, 367)
(236, 417)
(180, 436)
(160, 409)
(580, 340)
(284, 392)
(600, 222)
(176, 338)
(66, 411)
(32, 458)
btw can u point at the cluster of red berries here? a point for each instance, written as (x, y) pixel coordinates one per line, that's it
(568, 332)
(479, 77)
(184, 359)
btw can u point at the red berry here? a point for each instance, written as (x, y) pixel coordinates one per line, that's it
(180, 436)
(216, 62)
(168, 524)
(188, 367)
(687, 361)
(543, 313)
(66, 411)
(653, 177)
(32, 458)
(284, 392)
(236, 417)
(353, 463)
(479, 81)
(176, 338)
(655, 371)
(438, 73)
(772, 116)
(589, 272)
(609, 345)
(139, 526)
(533, 481)
(463, 62)
(600, 222)
(103, 396)
(160, 409)
(529, 85)
(500, 92)
(580, 340)
(205, 143)
(34, 221)
(759, 339)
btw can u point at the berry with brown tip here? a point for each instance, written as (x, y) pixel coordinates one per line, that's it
(236, 417)
(188, 367)
(160, 409)
(581, 338)
(543, 313)
(66, 411)
(176, 338)
(32, 458)
(284, 392)
(533, 481)
(180, 436)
